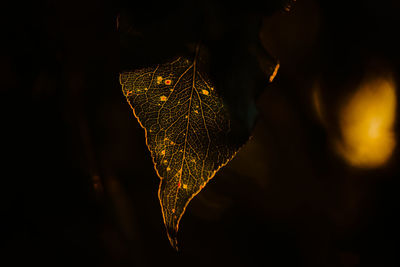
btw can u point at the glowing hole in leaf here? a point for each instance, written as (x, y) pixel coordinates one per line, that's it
(163, 98)
(366, 124)
(167, 82)
(163, 152)
(205, 92)
(159, 79)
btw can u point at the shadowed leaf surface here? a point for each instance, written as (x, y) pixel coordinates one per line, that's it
(188, 130)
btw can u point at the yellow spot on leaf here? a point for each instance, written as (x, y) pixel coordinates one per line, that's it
(159, 79)
(163, 98)
(168, 168)
(184, 186)
(163, 152)
(167, 82)
(205, 92)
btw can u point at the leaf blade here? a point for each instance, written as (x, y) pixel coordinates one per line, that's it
(187, 129)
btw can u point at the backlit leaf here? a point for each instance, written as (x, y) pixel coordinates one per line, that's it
(188, 130)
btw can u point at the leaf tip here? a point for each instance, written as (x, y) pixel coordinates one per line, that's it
(172, 237)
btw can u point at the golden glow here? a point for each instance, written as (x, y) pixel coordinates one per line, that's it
(366, 123)
(163, 98)
(205, 92)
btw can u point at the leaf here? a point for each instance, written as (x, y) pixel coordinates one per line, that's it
(188, 130)
(202, 105)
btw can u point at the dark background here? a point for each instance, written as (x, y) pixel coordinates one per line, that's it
(78, 185)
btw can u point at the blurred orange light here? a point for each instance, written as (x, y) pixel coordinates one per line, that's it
(317, 102)
(366, 124)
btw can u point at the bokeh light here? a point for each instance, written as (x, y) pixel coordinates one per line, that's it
(366, 124)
